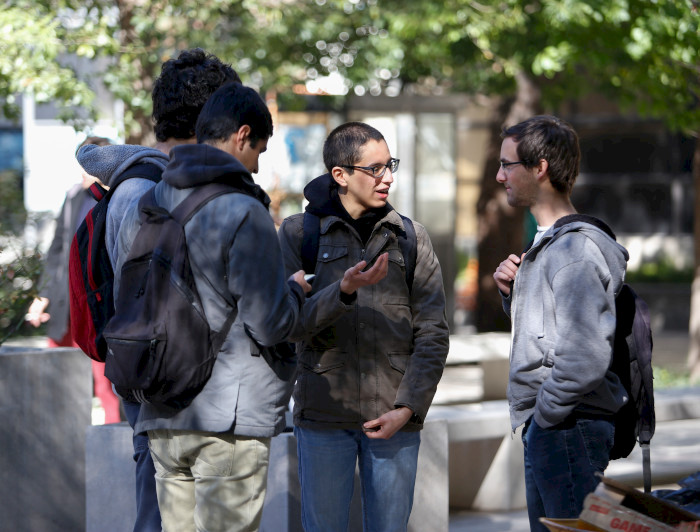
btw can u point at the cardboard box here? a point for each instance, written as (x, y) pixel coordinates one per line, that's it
(615, 507)
(643, 503)
(612, 517)
(567, 525)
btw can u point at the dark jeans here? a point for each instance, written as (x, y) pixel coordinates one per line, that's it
(560, 466)
(147, 513)
(327, 461)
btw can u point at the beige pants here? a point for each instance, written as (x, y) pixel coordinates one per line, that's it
(209, 481)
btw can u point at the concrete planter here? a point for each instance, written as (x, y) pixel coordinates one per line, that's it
(46, 401)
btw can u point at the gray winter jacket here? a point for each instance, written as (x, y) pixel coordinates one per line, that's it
(237, 264)
(108, 162)
(562, 308)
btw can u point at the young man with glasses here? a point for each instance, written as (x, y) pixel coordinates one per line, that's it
(370, 352)
(560, 296)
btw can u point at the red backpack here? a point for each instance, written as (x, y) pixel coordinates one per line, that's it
(90, 276)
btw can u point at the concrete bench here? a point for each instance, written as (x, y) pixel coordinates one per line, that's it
(110, 477)
(486, 470)
(488, 353)
(485, 459)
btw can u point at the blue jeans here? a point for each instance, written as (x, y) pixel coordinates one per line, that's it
(560, 466)
(327, 460)
(147, 512)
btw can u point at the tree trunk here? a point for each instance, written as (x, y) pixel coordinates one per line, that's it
(500, 226)
(694, 325)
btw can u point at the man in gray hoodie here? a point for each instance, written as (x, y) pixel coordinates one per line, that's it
(211, 457)
(179, 93)
(560, 296)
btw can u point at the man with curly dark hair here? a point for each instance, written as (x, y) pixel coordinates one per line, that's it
(179, 93)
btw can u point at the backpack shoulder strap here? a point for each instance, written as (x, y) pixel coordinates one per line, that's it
(182, 213)
(309, 243)
(197, 199)
(97, 191)
(408, 242)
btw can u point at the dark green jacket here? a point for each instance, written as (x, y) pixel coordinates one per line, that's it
(386, 349)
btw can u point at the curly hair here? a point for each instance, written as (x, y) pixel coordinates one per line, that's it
(181, 90)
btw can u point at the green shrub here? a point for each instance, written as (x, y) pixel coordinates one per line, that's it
(18, 287)
(20, 264)
(665, 378)
(662, 270)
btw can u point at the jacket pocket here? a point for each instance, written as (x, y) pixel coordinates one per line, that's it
(321, 363)
(389, 299)
(330, 253)
(399, 361)
(396, 257)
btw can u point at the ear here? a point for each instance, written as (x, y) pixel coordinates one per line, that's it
(242, 136)
(541, 169)
(338, 175)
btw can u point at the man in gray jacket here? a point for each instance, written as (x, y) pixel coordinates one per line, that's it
(369, 357)
(179, 93)
(560, 296)
(211, 457)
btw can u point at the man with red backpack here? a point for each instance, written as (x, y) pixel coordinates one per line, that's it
(179, 93)
(52, 304)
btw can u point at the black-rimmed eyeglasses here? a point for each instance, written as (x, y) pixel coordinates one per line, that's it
(505, 165)
(378, 170)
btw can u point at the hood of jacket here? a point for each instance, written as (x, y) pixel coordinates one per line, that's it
(107, 162)
(198, 164)
(322, 195)
(598, 231)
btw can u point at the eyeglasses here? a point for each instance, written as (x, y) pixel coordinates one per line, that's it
(378, 170)
(505, 165)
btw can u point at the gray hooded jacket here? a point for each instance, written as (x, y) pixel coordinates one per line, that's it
(562, 308)
(108, 162)
(237, 264)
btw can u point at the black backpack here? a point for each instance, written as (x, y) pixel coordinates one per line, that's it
(161, 349)
(91, 277)
(312, 233)
(636, 420)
